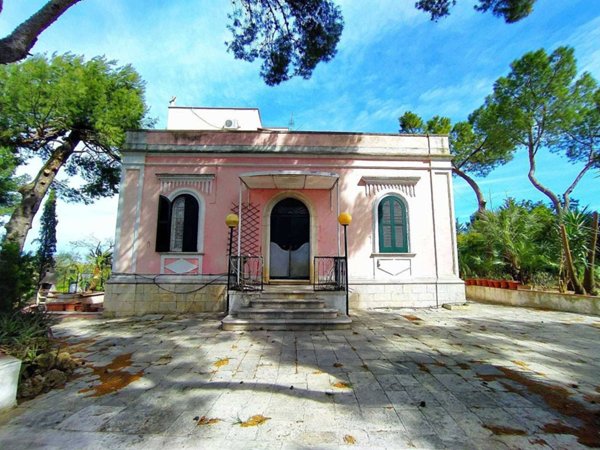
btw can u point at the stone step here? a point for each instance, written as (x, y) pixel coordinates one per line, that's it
(287, 303)
(298, 295)
(231, 323)
(281, 313)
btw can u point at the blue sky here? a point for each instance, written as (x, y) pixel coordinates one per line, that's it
(391, 58)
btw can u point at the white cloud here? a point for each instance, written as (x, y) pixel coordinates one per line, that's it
(585, 41)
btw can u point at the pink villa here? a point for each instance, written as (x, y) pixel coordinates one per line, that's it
(287, 188)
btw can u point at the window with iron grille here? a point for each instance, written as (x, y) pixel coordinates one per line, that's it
(177, 227)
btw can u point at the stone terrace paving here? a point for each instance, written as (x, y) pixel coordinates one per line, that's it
(485, 377)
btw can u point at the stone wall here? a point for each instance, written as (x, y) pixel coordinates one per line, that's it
(405, 295)
(128, 296)
(555, 301)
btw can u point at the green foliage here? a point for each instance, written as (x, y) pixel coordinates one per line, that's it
(411, 123)
(438, 125)
(101, 260)
(532, 105)
(71, 266)
(290, 37)
(542, 104)
(581, 134)
(9, 183)
(68, 269)
(25, 335)
(17, 277)
(47, 248)
(578, 225)
(42, 101)
(472, 152)
(511, 10)
(519, 240)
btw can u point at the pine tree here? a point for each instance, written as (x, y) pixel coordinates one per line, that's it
(47, 249)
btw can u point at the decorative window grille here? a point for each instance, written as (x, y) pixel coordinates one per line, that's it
(177, 227)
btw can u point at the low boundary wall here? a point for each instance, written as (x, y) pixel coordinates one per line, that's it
(554, 301)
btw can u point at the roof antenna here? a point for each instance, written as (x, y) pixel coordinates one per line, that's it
(172, 101)
(291, 123)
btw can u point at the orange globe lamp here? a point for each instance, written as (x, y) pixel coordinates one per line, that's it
(345, 219)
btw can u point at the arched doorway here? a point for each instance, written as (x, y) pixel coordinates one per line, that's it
(290, 240)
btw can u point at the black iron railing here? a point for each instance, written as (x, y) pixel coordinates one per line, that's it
(330, 273)
(245, 273)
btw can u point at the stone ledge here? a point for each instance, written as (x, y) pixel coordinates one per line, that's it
(554, 301)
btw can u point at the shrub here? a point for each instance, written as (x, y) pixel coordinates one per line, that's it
(17, 277)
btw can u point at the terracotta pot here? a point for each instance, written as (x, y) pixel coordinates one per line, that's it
(496, 283)
(513, 285)
(79, 307)
(504, 284)
(54, 307)
(70, 307)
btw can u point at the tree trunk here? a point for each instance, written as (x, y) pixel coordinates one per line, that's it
(577, 287)
(32, 194)
(481, 203)
(16, 46)
(568, 256)
(589, 283)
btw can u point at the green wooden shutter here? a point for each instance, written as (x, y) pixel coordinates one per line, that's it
(391, 214)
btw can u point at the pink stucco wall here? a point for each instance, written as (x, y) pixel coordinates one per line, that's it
(218, 203)
(432, 252)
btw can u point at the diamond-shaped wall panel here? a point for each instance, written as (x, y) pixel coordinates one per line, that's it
(180, 266)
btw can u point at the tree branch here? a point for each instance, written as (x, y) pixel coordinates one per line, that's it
(473, 153)
(33, 193)
(16, 46)
(480, 198)
(577, 179)
(539, 186)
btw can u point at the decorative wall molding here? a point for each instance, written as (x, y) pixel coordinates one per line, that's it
(179, 264)
(373, 185)
(200, 183)
(393, 267)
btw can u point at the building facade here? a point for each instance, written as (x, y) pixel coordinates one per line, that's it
(288, 189)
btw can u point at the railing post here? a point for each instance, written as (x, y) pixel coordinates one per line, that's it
(346, 261)
(229, 270)
(232, 221)
(345, 219)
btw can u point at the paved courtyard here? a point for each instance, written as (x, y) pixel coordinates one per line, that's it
(485, 377)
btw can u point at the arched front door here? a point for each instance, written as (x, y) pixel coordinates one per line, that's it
(290, 240)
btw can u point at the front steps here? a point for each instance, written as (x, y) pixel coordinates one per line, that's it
(289, 308)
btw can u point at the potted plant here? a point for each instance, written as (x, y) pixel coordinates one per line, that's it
(513, 284)
(55, 306)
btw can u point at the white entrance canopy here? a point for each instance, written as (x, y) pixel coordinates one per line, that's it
(289, 179)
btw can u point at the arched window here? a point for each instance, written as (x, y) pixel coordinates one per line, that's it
(177, 228)
(392, 225)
